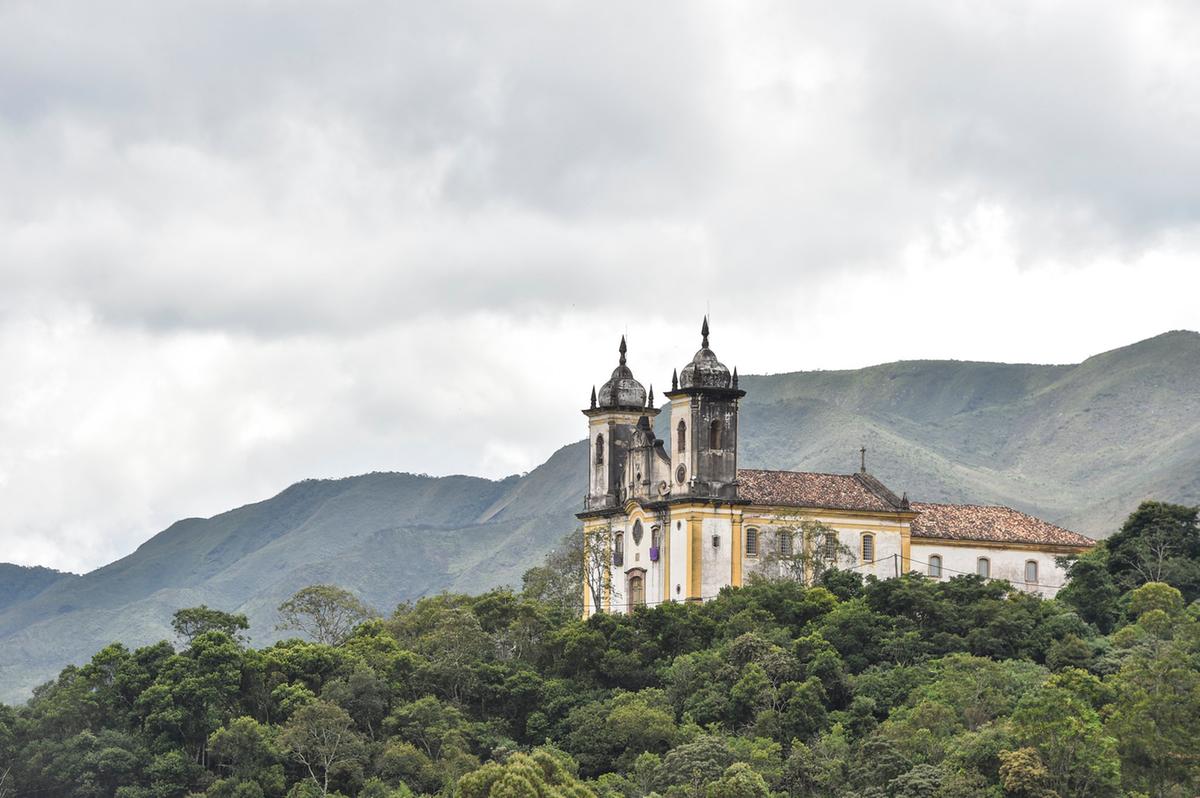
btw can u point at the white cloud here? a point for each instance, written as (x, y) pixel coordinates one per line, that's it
(242, 244)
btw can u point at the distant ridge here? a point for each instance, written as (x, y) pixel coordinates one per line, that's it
(21, 583)
(1078, 445)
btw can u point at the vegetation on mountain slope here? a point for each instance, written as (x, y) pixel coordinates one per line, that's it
(850, 689)
(20, 583)
(1080, 445)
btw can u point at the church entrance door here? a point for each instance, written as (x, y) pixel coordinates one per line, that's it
(637, 591)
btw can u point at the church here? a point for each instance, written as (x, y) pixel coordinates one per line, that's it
(678, 520)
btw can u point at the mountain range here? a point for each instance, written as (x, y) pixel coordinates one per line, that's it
(1080, 445)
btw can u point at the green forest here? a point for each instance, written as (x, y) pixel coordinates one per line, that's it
(851, 688)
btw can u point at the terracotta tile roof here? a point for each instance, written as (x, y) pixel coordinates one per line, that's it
(807, 489)
(989, 523)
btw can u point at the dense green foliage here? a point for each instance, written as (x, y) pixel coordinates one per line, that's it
(904, 687)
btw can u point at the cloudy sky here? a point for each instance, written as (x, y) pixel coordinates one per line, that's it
(244, 243)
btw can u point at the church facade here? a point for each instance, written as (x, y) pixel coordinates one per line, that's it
(678, 519)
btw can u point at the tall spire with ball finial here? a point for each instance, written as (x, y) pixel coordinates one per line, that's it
(704, 413)
(613, 418)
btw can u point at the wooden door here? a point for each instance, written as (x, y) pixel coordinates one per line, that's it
(637, 591)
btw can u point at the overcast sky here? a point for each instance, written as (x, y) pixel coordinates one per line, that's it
(244, 243)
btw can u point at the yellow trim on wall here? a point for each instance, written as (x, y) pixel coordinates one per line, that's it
(905, 550)
(735, 556)
(695, 555)
(664, 554)
(587, 599)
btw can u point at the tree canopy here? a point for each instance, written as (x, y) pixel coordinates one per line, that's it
(844, 688)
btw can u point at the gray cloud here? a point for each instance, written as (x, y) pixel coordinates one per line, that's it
(245, 243)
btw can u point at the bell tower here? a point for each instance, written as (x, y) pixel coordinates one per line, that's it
(704, 426)
(612, 421)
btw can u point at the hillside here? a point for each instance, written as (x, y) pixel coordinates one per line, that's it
(387, 537)
(20, 583)
(1080, 445)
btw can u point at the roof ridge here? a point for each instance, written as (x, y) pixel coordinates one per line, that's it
(789, 471)
(994, 522)
(872, 484)
(992, 506)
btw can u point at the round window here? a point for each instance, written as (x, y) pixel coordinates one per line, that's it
(681, 474)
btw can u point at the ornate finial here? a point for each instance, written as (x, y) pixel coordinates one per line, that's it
(593, 397)
(622, 349)
(904, 503)
(674, 379)
(863, 453)
(650, 399)
(735, 377)
(704, 333)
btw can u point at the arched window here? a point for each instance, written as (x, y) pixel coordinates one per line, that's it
(619, 549)
(714, 434)
(935, 566)
(1031, 574)
(655, 536)
(681, 434)
(637, 591)
(983, 567)
(868, 547)
(830, 546)
(785, 543)
(599, 450)
(751, 542)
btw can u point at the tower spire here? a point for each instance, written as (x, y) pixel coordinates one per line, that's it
(674, 379)
(863, 453)
(593, 397)
(622, 349)
(704, 333)
(650, 400)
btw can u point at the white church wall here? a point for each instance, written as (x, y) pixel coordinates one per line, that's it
(888, 536)
(1006, 563)
(678, 559)
(1009, 564)
(653, 569)
(717, 562)
(888, 541)
(616, 573)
